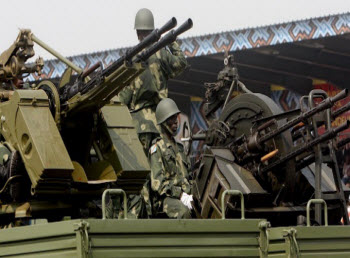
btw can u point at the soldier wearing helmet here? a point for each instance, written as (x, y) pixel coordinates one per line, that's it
(170, 182)
(143, 95)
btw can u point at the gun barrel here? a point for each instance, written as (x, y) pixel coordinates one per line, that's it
(341, 110)
(56, 54)
(184, 27)
(154, 36)
(168, 26)
(167, 39)
(151, 38)
(339, 96)
(343, 142)
(308, 146)
(327, 103)
(199, 137)
(91, 70)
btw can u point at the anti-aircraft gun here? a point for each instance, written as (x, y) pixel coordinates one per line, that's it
(76, 139)
(277, 160)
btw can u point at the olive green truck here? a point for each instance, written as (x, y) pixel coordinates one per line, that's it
(173, 238)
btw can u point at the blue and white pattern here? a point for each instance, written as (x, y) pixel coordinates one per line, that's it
(220, 42)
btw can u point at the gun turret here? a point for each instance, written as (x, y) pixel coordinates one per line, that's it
(278, 160)
(92, 133)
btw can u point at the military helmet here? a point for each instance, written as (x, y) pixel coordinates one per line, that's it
(165, 109)
(144, 20)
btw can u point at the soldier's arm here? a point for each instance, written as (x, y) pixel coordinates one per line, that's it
(174, 62)
(125, 95)
(159, 181)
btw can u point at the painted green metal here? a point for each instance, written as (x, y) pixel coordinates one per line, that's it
(114, 192)
(232, 192)
(301, 241)
(134, 238)
(316, 201)
(19, 126)
(264, 239)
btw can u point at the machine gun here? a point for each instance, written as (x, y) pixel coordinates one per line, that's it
(81, 87)
(94, 93)
(278, 160)
(76, 139)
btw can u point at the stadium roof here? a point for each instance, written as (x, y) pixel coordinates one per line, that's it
(290, 54)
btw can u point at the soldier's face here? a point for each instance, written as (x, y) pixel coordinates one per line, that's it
(172, 123)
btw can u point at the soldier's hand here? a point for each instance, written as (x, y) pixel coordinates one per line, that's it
(186, 199)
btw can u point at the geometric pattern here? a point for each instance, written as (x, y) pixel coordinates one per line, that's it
(286, 99)
(198, 123)
(232, 41)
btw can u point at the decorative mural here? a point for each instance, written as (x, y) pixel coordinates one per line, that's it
(285, 99)
(198, 123)
(220, 42)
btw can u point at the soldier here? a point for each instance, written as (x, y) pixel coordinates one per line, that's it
(143, 95)
(170, 181)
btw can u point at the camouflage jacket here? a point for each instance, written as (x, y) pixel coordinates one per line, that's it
(152, 85)
(169, 169)
(145, 120)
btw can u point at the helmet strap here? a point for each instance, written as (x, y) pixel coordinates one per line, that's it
(167, 129)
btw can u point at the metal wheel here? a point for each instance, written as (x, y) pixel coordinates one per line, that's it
(54, 98)
(241, 115)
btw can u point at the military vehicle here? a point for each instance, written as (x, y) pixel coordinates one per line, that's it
(278, 160)
(65, 144)
(85, 171)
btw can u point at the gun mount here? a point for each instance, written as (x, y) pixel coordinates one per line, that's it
(76, 139)
(13, 60)
(278, 160)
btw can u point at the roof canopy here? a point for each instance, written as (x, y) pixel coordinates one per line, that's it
(290, 54)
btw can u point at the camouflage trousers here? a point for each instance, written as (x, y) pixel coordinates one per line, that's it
(175, 209)
(136, 208)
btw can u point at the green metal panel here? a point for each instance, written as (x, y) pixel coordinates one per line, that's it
(28, 126)
(320, 241)
(124, 137)
(127, 156)
(134, 238)
(44, 240)
(117, 116)
(174, 238)
(169, 238)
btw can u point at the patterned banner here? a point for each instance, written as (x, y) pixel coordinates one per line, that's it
(221, 42)
(285, 99)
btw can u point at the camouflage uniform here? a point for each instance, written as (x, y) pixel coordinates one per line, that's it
(169, 177)
(143, 95)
